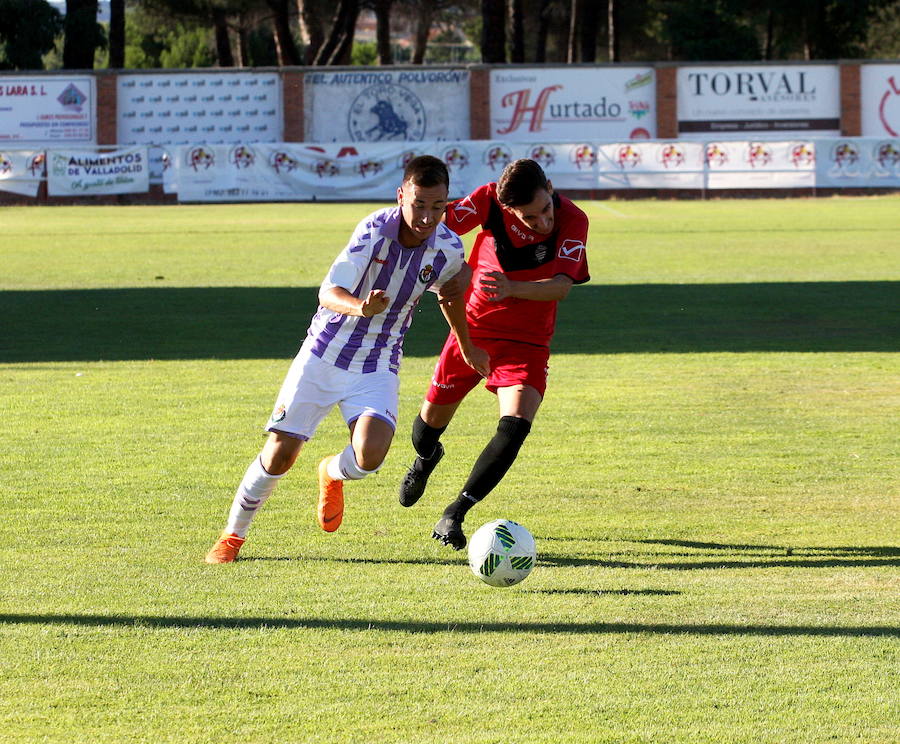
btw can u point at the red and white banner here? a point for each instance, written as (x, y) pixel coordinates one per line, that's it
(760, 164)
(880, 100)
(566, 104)
(21, 171)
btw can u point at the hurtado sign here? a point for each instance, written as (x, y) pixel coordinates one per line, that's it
(761, 99)
(571, 104)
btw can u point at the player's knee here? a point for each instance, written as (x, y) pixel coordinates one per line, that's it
(279, 453)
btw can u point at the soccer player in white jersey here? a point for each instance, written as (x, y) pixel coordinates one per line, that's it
(351, 355)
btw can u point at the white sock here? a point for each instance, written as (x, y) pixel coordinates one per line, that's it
(344, 466)
(255, 488)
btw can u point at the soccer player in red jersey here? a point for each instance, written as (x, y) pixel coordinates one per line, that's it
(529, 253)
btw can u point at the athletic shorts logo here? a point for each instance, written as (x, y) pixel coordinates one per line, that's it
(278, 414)
(571, 249)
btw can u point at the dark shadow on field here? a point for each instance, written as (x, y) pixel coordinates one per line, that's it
(269, 322)
(161, 622)
(728, 556)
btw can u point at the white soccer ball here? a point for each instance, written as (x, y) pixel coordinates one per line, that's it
(502, 552)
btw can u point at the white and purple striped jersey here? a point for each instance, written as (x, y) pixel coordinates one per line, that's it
(375, 259)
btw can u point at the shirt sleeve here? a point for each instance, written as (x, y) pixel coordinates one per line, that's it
(469, 212)
(571, 248)
(456, 257)
(351, 263)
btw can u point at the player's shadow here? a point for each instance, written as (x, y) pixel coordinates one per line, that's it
(269, 322)
(712, 555)
(164, 622)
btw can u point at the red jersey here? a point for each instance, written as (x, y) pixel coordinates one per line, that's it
(508, 245)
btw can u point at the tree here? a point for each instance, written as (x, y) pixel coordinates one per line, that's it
(383, 31)
(516, 31)
(83, 35)
(116, 34)
(338, 44)
(285, 47)
(311, 18)
(493, 31)
(28, 30)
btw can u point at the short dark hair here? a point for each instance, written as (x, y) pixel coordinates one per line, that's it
(426, 170)
(520, 181)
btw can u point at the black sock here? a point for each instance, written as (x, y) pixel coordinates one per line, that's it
(425, 437)
(491, 465)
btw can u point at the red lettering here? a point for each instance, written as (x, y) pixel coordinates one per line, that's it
(348, 151)
(519, 100)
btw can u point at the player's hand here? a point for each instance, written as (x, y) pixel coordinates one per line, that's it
(455, 288)
(496, 285)
(478, 359)
(376, 302)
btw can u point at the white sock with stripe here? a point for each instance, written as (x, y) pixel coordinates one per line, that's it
(255, 488)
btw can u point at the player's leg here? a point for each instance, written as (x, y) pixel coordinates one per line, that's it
(518, 407)
(519, 378)
(300, 407)
(451, 382)
(370, 409)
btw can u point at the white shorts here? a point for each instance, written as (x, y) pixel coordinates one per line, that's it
(313, 387)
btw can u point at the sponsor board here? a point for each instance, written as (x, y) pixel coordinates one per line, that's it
(566, 104)
(73, 173)
(47, 109)
(880, 100)
(770, 101)
(21, 171)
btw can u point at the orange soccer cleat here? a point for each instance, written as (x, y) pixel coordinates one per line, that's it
(226, 549)
(331, 499)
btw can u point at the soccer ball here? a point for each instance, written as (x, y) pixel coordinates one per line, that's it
(502, 553)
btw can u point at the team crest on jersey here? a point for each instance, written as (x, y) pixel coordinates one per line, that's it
(278, 414)
(427, 274)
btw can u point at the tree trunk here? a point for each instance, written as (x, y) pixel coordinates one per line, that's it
(223, 43)
(770, 34)
(340, 39)
(493, 32)
(540, 47)
(243, 51)
(574, 23)
(117, 34)
(284, 40)
(517, 31)
(81, 35)
(312, 23)
(587, 32)
(383, 31)
(423, 28)
(612, 31)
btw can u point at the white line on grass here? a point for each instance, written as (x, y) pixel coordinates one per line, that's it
(616, 212)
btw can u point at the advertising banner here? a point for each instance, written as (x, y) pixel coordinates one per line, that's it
(880, 100)
(760, 164)
(193, 108)
(568, 104)
(72, 173)
(858, 162)
(384, 105)
(21, 171)
(758, 101)
(42, 109)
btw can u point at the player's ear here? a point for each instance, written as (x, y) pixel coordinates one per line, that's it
(400, 195)
(550, 188)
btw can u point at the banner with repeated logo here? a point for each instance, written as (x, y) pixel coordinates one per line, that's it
(41, 109)
(880, 100)
(733, 164)
(858, 162)
(565, 104)
(760, 101)
(215, 107)
(21, 171)
(72, 173)
(383, 105)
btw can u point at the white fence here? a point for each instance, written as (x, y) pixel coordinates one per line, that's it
(356, 171)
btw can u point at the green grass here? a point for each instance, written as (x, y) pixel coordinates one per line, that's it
(712, 481)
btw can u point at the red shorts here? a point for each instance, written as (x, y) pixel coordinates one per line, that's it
(512, 363)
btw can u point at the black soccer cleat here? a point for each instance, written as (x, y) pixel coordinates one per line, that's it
(413, 484)
(449, 532)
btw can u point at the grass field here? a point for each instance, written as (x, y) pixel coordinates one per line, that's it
(712, 482)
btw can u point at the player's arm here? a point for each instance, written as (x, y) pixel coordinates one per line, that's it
(476, 357)
(497, 286)
(341, 301)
